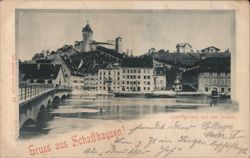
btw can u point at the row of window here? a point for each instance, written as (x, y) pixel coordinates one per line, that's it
(222, 89)
(215, 81)
(135, 71)
(109, 73)
(215, 74)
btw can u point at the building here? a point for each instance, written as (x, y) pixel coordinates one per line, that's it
(137, 74)
(183, 48)
(77, 81)
(214, 75)
(160, 78)
(109, 79)
(43, 74)
(210, 49)
(87, 35)
(118, 45)
(91, 82)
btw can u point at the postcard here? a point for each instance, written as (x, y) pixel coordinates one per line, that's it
(144, 79)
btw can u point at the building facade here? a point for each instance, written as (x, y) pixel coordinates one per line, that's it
(183, 48)
(214, 75)
(77, 81)
(43, 74)
(91, 82)
(160, 78)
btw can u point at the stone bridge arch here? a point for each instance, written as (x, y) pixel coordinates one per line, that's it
(35, 109)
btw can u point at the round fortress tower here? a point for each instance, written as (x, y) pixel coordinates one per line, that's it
(87, 34)
(118, 44)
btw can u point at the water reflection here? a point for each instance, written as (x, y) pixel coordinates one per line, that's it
(82, 113)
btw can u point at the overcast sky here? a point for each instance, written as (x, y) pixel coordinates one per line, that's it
(50, 29)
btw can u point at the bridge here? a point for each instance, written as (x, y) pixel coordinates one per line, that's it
(36, 99)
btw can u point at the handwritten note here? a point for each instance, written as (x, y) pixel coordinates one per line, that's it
(159, 139)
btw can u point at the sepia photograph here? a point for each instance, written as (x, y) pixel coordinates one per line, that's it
(79, 66)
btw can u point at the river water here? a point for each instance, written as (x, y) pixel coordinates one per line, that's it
(81, 113)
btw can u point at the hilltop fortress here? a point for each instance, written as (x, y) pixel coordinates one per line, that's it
(88, 44)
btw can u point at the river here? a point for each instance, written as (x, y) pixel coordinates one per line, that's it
(81, 113)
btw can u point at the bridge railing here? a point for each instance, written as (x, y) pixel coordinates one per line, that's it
(27, 91)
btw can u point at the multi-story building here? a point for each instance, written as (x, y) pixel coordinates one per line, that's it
(160, 79)
(91, 82)
(214, 75)
(43, 74)
(137, 75)
(109, 79)
(77, 81)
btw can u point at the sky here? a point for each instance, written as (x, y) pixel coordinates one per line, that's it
(38, 30)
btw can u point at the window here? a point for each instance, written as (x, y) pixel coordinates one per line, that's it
(206, 74)
(148, 77)
(144, 77)
(118, 78)
(229, 89)
(222, 90)
(148, 83)
(139, 76)
(214, 81)
(214, 74)
(144, 88)
(127, 71)
(127, 82)
(118, 73)
(222, 81)
(139, 71)
(134, 71)
(222, 74)
(123, 82)
(148, 88)
(208, 81)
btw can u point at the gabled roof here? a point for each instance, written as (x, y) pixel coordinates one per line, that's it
(40, 71)
(145, 62)
(211, 47)
(183, 45)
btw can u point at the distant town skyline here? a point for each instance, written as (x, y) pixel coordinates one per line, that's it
(39, 30)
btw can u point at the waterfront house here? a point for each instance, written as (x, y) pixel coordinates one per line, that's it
(43, 74)
(214, 75)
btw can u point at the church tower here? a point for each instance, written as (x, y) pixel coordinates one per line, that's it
(87, 34)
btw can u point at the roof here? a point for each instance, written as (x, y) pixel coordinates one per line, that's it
(87, 28)
(159, 71)
(40, 71)
(183, 44)
(110, 51)
(215, 64)
(145, 62)
(211, 47)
